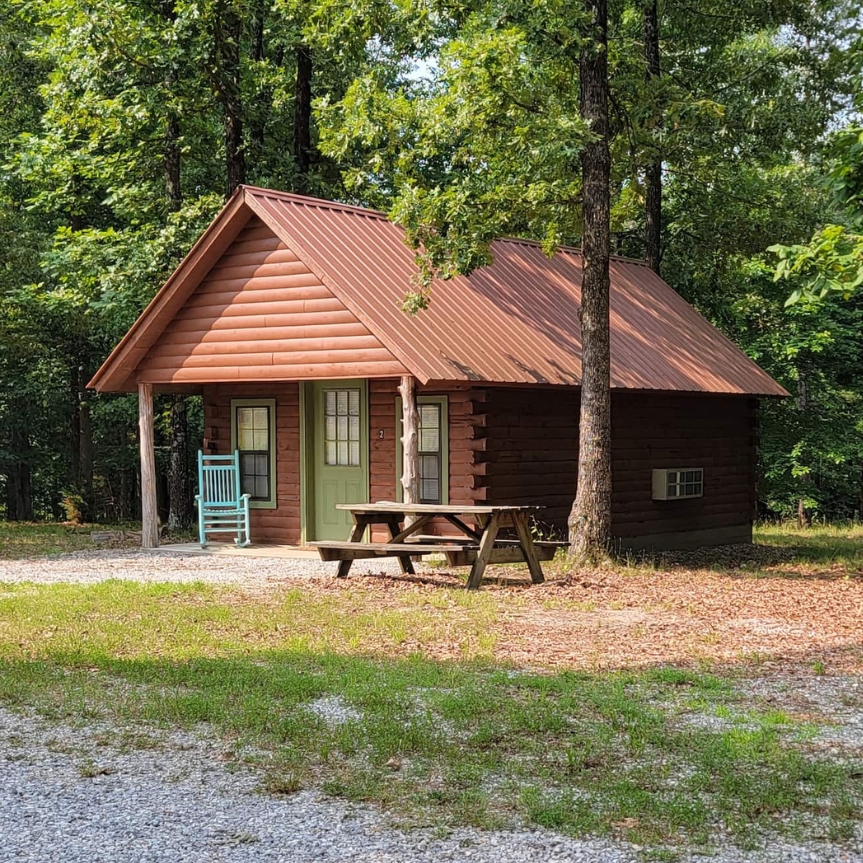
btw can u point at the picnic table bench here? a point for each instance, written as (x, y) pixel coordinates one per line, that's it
(476, 545)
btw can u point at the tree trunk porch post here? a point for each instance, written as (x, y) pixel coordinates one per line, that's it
(149, 512)
(410, 440)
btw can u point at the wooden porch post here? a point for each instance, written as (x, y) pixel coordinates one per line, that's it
(149, 513)
(410, 440)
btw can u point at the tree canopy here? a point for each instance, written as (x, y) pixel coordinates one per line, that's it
(124, 125)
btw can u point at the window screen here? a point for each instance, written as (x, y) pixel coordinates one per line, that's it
(430, 453)
(253, 442)
(342, 419)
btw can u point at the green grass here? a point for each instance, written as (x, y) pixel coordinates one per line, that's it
(473, 742)
(26, 539)
(840, 544)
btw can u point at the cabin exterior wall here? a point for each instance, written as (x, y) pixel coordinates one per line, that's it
(511, 445)
(531, 457)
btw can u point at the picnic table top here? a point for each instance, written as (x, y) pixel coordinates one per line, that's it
(432, 508)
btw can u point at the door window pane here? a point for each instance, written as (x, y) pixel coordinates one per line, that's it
(342, 427)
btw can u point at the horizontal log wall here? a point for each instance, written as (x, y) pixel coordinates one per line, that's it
(261, 314)
(531, 457)
(462, 403)
(282, 524)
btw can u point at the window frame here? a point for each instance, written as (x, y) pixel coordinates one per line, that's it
(443, 402)
(259, 503)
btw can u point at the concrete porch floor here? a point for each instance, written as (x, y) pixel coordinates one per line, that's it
(222, 549)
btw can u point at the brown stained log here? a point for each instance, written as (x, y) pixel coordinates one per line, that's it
(215, 288)
(274, 373)
(149, 511)
(208, 314)
(261, 358)
(410, 440)
(265, 341)
(254, 271)
(278, 292)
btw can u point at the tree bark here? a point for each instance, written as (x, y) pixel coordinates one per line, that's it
(19, 478)
(226, 73)
(180, 510)
(149, 510)
(303, 118)
(590, 519)
(85, 448)
(171, 162)
(410, 440)
(653, 171)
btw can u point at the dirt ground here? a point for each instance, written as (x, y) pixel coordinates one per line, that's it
(774, 616)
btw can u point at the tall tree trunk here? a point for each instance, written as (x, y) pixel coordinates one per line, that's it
(653, 196)
(804, 515)
(226, 74)
(590, 519)
(180, 514)
(19, 479)
(88, 510)
(303, 118)
(171, 162)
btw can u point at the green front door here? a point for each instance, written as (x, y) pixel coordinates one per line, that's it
(340, 454)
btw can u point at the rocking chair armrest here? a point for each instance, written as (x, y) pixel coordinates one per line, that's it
(245, 496)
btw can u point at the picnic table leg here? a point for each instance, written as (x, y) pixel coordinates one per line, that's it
(357, 532)
(405, 561)
(527, 547)
(486, 546)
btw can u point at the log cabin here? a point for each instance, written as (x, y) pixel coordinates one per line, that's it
(286, 318)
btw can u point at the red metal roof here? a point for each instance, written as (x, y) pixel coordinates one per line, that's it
(514, 321)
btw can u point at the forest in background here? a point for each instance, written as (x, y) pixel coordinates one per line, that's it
(124, 126)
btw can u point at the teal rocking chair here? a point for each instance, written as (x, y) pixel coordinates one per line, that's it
(221, 507)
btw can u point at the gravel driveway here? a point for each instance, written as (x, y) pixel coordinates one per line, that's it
(86, 567)
(68, 795)
(77, 794)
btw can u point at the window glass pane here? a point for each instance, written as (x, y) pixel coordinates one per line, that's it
(342, 401)
(430, 491)
(331, 428)
(245, 438)
(343, 452)
(262, 487)
(429, 467)
(672, 491)
(260, 440)
(247, 485)
(331, 453)
(260, 417)
(245, 418)
(355, 452)
(343, 428)
(330, 402)
(429, 439)
(354, 400)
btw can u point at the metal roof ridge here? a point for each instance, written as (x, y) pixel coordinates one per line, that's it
(311, 201)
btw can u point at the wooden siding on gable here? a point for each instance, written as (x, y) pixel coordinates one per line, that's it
(261, 314)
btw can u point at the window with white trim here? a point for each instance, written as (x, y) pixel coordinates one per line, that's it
(253, 434)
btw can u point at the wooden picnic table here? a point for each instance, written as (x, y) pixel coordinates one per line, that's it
(476, 544)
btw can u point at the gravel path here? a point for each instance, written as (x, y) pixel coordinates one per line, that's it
(70, 794)
(87, 567)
